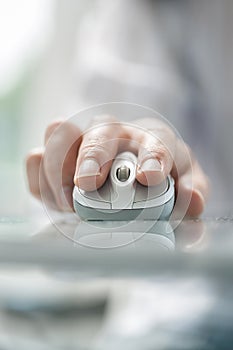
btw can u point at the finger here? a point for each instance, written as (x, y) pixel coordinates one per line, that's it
(193, 190)
(156, 147)
(160, 153)
(62, 143)
(99, 147)
(51, 129)
(33, 162)
(192, 185)
(190, 235)
(37, 181)
(183, 159)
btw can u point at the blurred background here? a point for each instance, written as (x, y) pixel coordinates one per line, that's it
(25, 30)
(58, 57)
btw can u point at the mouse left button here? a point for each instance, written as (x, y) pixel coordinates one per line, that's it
(99, 199)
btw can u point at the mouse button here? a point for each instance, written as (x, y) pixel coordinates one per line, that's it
(104, 192)
(141, 193)
(91, 201)
(100, 195)
(144, 193)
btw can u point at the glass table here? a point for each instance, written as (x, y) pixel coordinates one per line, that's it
(74, 284)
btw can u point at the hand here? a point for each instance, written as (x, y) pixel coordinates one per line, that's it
(84, 159)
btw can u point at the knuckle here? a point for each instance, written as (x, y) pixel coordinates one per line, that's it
(59, 131)
(95, 149)
(68, 128)
(33, 158)
(158, 151)
(98, 145)
(162, 152)
(51, 128)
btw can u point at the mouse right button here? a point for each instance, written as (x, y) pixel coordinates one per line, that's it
(144, 193)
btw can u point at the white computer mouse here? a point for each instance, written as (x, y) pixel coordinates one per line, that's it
(123, 198)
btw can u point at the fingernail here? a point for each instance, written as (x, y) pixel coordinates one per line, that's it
(151, 165)
(66, 201)
(89, 167)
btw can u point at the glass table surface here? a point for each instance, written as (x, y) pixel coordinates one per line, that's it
(93, 285)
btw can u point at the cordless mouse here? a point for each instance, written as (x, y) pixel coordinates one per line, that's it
(123, 198)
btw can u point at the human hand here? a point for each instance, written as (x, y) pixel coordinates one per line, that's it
(84, 159)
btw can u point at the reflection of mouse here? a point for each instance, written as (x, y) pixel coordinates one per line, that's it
(122, 197)
(129, 235)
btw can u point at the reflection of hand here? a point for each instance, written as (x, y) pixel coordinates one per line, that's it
(191, 235)
(85, 159)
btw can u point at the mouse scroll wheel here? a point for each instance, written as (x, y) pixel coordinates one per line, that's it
(123, 173)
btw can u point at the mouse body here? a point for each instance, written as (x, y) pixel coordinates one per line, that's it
(123, 198)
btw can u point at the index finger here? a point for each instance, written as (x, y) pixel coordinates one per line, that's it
(99, 147)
